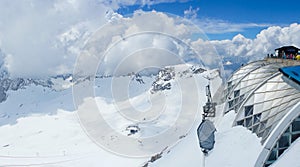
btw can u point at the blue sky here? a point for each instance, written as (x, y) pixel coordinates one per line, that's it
(223, 19)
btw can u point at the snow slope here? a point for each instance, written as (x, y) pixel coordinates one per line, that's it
(234, 147)
(40, 127)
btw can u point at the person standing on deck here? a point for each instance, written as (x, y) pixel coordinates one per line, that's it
(283, 55)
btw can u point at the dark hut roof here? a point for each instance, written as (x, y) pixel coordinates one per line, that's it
(288, 48)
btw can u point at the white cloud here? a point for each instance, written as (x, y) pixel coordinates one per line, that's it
(240, 50)
(37, 35)
(145, 39)
(217, 26)
(44, 38)
(191, 13)
(116, 3)
(265, 42)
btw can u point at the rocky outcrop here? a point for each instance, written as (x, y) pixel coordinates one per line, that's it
(163, 80)
(15, 84)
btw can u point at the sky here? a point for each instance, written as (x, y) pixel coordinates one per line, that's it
(44, 38)
(234, 16)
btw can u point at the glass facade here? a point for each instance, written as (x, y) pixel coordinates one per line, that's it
(243, 85)
(291, 134)
(239, 74)
(259, 95)
(264, 108)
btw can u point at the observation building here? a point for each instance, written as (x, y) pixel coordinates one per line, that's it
(265, 95)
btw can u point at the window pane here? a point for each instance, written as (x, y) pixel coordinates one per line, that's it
(229, 83)
(268, 164)
(242, 97)
(236, 93)
(295, 137)
(248, 110)
(273, 156)
(240, 122)
(260, 134)
(257, 118)
(230, 103)
(284, 141)
(255, 128)
(296, 126)
(280, 152)
(287, 130)
(249, 122)
(266, 133)
(262, 125)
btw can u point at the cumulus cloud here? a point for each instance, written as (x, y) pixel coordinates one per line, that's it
(38, 37)
(265, 42)
(134, 43)
(42, 38)
(241, 50)
(244, 50)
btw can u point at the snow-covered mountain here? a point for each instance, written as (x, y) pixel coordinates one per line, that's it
(40, 125)
(14, 84)
(47, 131)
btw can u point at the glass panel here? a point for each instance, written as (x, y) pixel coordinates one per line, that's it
(273, 156)
(284, 141)
(268, 164)
(256, 118)
(230, 103)
(236, 100)
(242, 97)
(236, 93)
(249, 122)
(248, 110)
(240, 122)
(266, 133)
(275, 146)
(296, 132)
(287, 130)
(295, 137)
(255, 128)
(260, 134)
(229, 83)
(262, 125)
(280, 151)
(236, 107)
(296, 126)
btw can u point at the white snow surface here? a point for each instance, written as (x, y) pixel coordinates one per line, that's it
(40, 127)
(234, 147)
